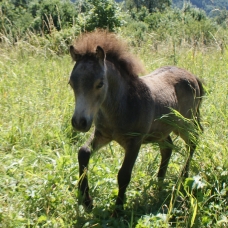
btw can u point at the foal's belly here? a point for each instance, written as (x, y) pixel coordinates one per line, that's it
(157, 135)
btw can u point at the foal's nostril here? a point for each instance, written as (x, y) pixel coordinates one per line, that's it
(80, 125)
(83, 122)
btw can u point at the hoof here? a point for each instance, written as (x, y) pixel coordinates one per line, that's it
(117, 212)
(88, 204)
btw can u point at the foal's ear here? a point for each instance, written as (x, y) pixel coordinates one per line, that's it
(74, 56)
(100, 54)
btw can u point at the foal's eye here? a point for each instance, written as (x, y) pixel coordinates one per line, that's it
(100, 85)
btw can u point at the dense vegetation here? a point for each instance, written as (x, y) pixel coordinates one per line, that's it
(38, 148)
(61, 20)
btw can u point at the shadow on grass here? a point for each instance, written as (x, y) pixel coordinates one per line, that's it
(152, 200)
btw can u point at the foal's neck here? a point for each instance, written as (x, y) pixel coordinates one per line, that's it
(117, 84)
(117, 90)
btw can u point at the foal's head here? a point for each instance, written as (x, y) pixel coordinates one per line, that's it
(89, 82)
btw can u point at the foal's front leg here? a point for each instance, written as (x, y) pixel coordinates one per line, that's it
(95, 143)
(83, 160)
(124, 175)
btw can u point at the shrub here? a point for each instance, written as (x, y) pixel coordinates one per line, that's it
(58, 14)
(188, 24)
(100, 14)
(42, 16)
(137, 32)
(222, 18)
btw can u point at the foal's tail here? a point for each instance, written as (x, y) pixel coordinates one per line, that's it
(202, 92)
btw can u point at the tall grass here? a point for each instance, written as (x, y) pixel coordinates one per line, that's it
(38, 149)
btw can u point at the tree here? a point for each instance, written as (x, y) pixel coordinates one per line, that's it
(222, 18)
(56, 14)
(100, 14)
(14, 19)
(151, 5)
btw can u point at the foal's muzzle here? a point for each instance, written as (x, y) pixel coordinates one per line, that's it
(82, 124)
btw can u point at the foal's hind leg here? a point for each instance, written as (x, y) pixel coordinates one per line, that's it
(166, 151)
(191, 146)
(191, 142)
(84, 153)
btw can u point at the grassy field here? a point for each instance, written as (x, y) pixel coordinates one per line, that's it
(38, 149)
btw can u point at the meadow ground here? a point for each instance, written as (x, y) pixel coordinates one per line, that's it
(38, 149)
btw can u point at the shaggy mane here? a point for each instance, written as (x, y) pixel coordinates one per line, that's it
(117, 51)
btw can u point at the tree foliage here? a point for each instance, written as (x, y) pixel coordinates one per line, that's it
(207, 5)
(39, 16)
(104, 14)
(60, 21)
(57, 14)
(188, 24)
(44, 16)
(151, 5)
